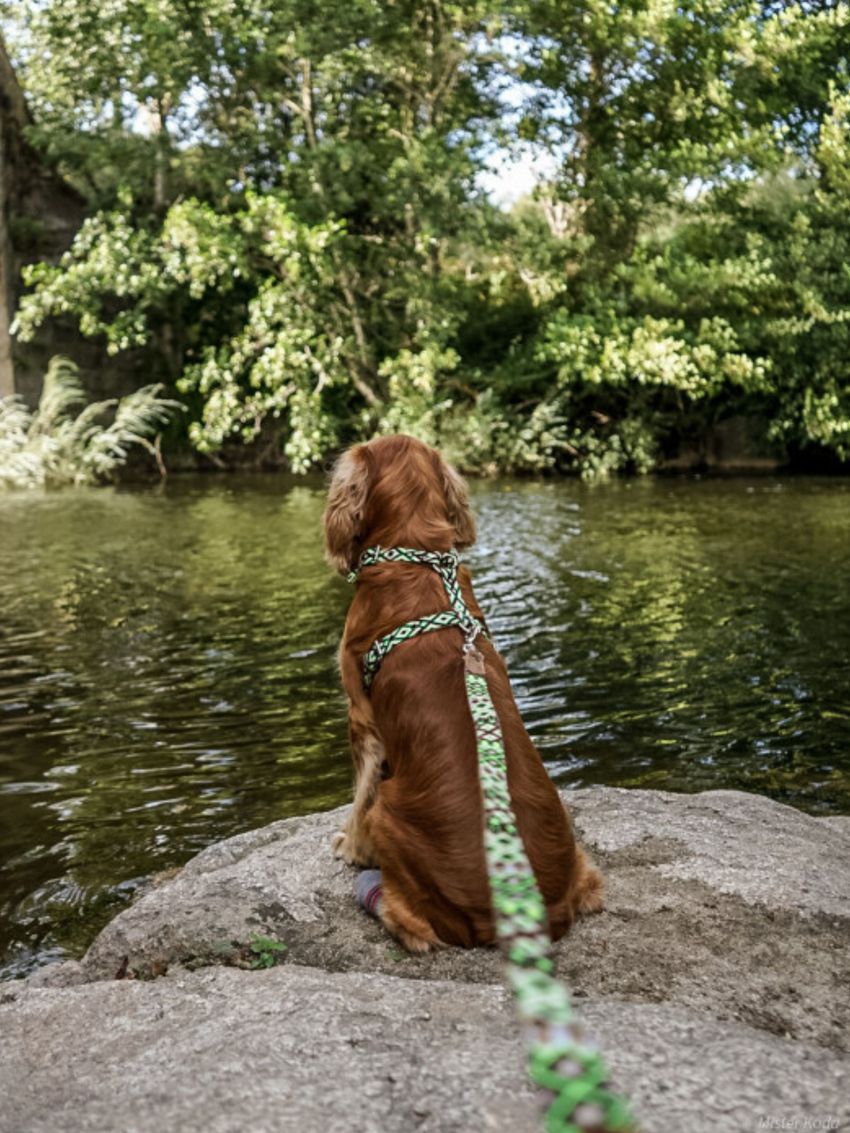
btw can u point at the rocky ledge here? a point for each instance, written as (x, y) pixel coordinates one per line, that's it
(717, 981)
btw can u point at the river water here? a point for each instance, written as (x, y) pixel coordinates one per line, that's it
(167, 663)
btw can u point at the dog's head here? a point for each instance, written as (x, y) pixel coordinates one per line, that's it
(394, 492)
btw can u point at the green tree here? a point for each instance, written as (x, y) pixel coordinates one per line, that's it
(297, 180)
(638, 101)
(286, 214)
(700, 220)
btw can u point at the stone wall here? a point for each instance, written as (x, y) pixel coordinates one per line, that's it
(13, 118)
(39, 215)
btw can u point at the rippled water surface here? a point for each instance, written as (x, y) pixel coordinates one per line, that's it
(167, 663)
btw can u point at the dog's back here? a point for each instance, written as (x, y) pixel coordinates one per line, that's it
(427, 822)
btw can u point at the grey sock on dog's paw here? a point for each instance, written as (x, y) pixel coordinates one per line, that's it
(368, 889)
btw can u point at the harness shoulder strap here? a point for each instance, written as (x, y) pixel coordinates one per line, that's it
(459, 616)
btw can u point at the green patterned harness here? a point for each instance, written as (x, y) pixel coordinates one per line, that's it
(445, 563)
(560, 1060)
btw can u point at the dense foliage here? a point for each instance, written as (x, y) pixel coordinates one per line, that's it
(287, 211)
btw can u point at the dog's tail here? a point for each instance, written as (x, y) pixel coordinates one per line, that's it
(560, 1060)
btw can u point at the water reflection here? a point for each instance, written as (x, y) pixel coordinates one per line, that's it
(167, 663)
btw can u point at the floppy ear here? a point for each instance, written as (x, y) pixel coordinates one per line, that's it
(457, 503)
(344, 509)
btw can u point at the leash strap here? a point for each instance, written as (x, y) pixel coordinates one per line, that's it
(560, 1060)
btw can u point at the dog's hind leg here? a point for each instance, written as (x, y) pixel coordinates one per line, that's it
(370, 897)
(411, 930)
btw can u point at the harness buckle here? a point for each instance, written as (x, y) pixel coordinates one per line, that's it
(470, 634)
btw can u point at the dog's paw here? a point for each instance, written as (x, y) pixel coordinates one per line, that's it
(591, 896)
(418, 945)
(348, 851)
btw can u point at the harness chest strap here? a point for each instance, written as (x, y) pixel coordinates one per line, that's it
(560, 1060)
(458, 616)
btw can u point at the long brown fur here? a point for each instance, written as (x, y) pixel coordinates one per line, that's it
(417, 810)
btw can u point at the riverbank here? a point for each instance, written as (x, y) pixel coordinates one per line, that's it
(712, 455)
(717, 981)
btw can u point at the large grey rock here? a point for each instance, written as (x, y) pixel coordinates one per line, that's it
(717, 979)
(302, 1050)
(723, 902)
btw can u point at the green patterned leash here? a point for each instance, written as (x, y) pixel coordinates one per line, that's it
(560, 1059)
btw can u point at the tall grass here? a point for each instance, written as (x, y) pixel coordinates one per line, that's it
(66, 441)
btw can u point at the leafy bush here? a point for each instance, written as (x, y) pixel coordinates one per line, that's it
(65, 441)
(287, 214)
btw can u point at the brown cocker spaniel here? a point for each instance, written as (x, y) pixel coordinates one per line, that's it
(418, 811)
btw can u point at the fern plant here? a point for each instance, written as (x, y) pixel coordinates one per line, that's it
(66, 441)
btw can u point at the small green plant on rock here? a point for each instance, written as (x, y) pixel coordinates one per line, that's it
(265, 951)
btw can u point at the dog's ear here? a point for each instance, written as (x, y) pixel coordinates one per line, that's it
(457, 503)
(344, 510)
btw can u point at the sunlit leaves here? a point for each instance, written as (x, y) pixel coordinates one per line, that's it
(284, 216)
